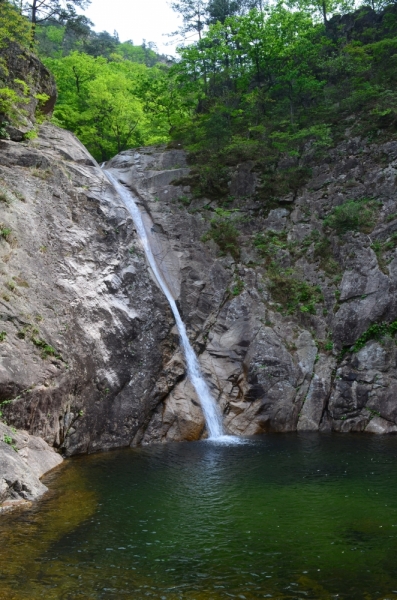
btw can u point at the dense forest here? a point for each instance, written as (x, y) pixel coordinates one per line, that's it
(260, 81)
(273, 82)
(112, 95)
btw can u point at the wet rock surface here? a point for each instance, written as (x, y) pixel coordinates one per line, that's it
(272, 368)
(86, 333)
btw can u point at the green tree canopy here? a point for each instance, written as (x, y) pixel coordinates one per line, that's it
(114, 105)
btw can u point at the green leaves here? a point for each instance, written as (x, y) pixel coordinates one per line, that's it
(115, 105)
(375, 331)
(353, 215)
(292, 292)
(224, 232)
(290, 141)
(13, 27)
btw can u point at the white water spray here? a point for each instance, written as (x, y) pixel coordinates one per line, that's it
(210, 408)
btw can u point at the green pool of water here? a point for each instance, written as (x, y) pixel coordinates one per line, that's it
(283, 516)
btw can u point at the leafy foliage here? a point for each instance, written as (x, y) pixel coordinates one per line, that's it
(114, 104)
(353, 215)
(292, 292)
(322, 251)
(283, 80)
(224, 232)
(5, 232)
(269, 243)
(58, 39)
(46, 349)
(13, 27)
(375, 331)
(381, 248)
(287, 288)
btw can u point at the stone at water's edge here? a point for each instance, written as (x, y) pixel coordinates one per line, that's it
(23, 460)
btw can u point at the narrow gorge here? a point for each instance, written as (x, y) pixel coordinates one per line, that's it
(90, 352)
(282, 284)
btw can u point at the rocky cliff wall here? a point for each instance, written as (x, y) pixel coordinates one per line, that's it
(89, 354)
(18, 65)
(86, 333)
(273, 367)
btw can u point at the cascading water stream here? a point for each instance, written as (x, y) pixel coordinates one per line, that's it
(210, 408)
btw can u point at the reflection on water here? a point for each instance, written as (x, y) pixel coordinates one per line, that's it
(283, 516)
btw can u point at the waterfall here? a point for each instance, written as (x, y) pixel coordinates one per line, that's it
(210, 408)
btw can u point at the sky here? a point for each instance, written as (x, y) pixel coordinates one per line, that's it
(136, 20)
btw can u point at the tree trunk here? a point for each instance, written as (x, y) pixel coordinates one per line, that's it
(34, 21)
(324, 9)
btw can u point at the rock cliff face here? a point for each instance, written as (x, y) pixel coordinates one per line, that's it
(89, 353)
(270, 370)
(85, 330)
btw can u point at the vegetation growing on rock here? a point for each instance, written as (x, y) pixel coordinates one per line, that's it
(353, 215)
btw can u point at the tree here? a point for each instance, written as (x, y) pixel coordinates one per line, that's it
(101, 44)
(115, 104)
(194, 15)
(220, 10)
(13, 27)
(145, 53)
(55, 39)
(323, 8)
(41, 11)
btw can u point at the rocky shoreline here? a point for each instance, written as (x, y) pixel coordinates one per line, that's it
(24, 459)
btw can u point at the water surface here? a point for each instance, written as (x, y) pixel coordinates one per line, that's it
(281, 516)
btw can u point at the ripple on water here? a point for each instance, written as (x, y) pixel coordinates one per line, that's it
(282, 516)
(230, 440)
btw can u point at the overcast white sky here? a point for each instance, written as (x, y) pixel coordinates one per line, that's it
(135, 20)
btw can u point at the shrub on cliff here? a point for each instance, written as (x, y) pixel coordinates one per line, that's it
(292, 292)
(353, 215)
(224, 233)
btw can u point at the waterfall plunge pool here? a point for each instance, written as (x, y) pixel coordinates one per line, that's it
(284, 516)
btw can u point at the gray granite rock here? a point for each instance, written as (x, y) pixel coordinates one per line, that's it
(23, 460)
(87, 332)
(270, 372)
